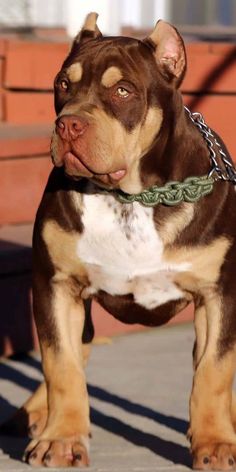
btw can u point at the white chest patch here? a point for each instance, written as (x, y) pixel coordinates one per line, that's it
(123, 253)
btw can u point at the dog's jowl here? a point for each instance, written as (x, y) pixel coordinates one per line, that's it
(113, 226)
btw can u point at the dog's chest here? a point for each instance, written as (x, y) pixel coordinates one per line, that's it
(123, 253)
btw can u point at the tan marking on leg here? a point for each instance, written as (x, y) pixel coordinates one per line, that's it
(204, 264)
(75, 72)
(68, 406)
(66, 261)
(36, 407)
(176, 223)
(210, 405)
(37, 399)
(86, 350)
(66, 398)
(111, 76)
(233, 410)
(200, 324)
(69, 321)
(211, 402)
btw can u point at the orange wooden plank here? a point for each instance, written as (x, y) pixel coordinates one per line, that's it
(1, 71)
(210, 69)
(24, 140)
(22, 182)
(33, 65)
(28, 108)
(221, 48)
(1, 105)
(2, 63)
(3, 46)
(211, 66)
(219, 112)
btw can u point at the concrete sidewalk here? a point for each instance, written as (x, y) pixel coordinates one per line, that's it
(139, 389)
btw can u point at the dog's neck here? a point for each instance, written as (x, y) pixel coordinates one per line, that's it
(171, 156)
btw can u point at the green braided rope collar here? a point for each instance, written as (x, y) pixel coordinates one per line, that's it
(173, 193)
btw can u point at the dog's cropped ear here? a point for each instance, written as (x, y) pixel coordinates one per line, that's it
(169, 51)
(89, 29)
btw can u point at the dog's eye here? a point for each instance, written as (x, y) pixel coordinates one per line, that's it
(64, 85)
(122, 92)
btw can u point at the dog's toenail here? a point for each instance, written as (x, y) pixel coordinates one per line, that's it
(78, 457)
(33, 455)
(206, 460)
(231, 461)
(48, 457)
(33, 427)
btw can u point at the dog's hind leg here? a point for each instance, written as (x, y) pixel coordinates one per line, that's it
(233, 409)
(213, 440)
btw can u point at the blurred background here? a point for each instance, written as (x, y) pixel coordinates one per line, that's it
(116, 14)
(34, 39)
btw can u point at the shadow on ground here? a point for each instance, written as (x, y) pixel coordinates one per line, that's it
(169, 450)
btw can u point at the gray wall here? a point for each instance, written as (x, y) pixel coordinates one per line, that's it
(203, 12)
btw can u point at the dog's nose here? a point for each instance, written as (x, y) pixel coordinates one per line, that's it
(70, 127)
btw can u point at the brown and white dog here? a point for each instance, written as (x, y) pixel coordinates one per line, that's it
(121, 125)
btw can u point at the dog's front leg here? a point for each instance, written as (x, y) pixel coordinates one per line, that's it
(213, 440)
(60, 320)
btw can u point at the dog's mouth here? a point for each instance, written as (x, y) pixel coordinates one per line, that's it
(75, 167)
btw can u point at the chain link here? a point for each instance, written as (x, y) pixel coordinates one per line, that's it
(229, 171)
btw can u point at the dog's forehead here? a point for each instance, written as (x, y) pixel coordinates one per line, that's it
(109, 59)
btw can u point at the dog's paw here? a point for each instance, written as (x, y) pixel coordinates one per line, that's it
(36, 422)
(189, 434)
(67, 452)
(25, 423)
(215, 457)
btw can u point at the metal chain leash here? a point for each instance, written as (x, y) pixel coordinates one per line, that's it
(229, 174)
(192, 188)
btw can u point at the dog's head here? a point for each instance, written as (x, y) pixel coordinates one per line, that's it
(113, 97)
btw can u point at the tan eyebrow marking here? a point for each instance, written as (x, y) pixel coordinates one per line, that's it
(111, 76)
(75, 72)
